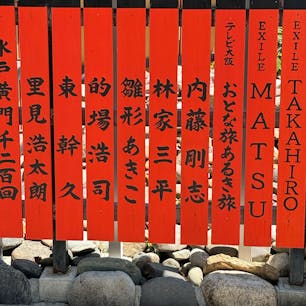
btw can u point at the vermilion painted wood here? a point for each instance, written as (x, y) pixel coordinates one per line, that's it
(227, 131)
(10, 184)
(260, 122)
(99, 123)
(34, 53)
(195, 124)
(291, 168)
(131, 27)
(66, 48)
(163, 121)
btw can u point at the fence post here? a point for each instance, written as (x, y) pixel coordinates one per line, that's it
(1, 249)
(296, 263)
(115, 247)
(60, 258)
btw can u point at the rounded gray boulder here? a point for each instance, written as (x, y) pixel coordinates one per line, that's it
(14, 286)
(110, 264)
(29, 268)
(166, 291)
(238, 288)
(102, 288)
(198, 257)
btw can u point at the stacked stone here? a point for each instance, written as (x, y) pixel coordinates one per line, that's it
(159, 274)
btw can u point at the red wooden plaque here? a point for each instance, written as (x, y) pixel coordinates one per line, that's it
(291, 166)
(227, 131)
(66, 48)
(260, 122)
(99, 123)
(163, 122)
(10, 184)
(35, 95)
(195, 124)
(131, 26)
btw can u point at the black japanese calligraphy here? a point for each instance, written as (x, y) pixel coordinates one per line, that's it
(162, 187)
(228, 136)
(131, 168)
(6, 174)
(7, 112)
(35, 83)
(195, 158)
(131, 147)
(8, 192)
(131, 116)
(132, 88)
(67, 87)
(101, 117)
(38, 191)
(102, 88)
(35, 113)
(68, 188)
(160, 88)
(102, 187)
(37, 167)
(195, 194)
(227, 201)
(4, 67)
(163, 155)
(3, 47)
(229, 41)
(68, 145)
(4, 139)
(163, 121)
(5, 90)
(195, 121)
(99, 153)
(198, 86)
(128, 199)
(38, 143)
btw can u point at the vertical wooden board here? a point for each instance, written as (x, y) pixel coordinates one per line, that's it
(35, 97)
(291, 167)
(195, 124)
(260, 122)
(66, 48)
(131, 24)
(163, 122)
(10, 176)
(227, 125)
(99, 123)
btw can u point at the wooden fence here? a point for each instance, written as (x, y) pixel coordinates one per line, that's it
(73, 122)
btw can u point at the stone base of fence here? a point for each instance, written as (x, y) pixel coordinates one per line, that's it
(149, 274)
(114, 281)
(117, 288)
